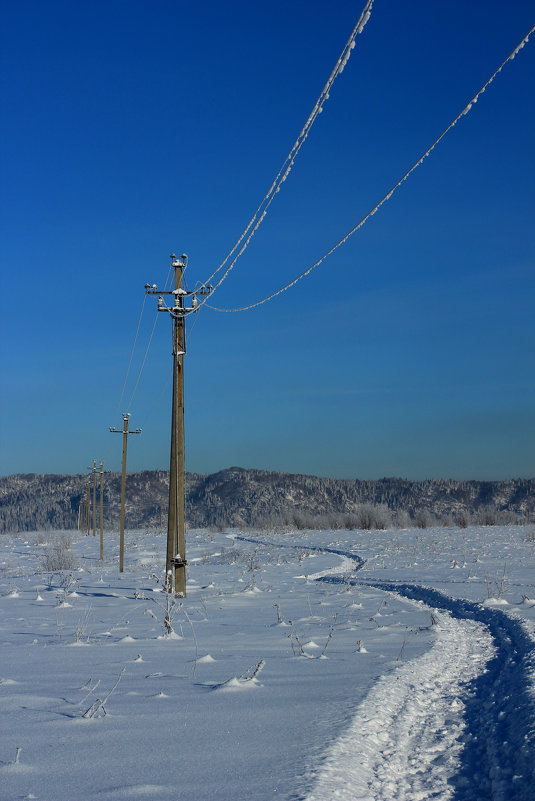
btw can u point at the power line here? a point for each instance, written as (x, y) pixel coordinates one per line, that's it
(142, 363)
(389, 194)
(169, 274)
(158, 399)
(284, 171)
(131, 356)
(132, 353)
(166, 383)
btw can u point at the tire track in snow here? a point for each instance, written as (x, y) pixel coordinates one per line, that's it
(438, 729)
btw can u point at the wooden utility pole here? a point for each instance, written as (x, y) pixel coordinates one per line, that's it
(94, 497)
(176, 535)
(125, 432)
(175, 565)
(101, 511)
(88, 504)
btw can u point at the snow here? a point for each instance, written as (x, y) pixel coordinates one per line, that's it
(312, 665)
(406, 720)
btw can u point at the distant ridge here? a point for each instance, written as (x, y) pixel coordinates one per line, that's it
(241, 497)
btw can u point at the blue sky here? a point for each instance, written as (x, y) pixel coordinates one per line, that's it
(138, 128)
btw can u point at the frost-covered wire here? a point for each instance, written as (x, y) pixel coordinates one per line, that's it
(142, 364)
(131, 355)
(285, 170)
(132, 352)
(389, 194)
(158, 399)
(168, 276)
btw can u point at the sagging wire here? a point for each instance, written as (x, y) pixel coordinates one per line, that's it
(284, 171)
(130, 359)
(144, 357)
(158, 399)
(142, 364)
(389, 194)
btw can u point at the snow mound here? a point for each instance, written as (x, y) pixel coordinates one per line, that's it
(149, 790)
(171, 636)
(205, 659)
(495, 602)
(236, 684)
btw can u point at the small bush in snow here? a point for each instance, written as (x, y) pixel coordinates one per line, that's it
(58, 556)
(422, 518)
(530, 534)
(487, 516)
(462, 519)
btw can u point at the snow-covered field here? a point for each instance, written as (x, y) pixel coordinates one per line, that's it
(313, 666)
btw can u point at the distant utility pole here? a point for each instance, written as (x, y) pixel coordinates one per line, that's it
(94, 469)
(176, 535)
(125, 432)
(101, 511)
(94, 497)
(88, 503)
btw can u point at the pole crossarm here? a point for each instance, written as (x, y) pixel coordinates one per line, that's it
(114, 430)
(181, 295)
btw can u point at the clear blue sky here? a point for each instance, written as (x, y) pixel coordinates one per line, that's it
(139, 127)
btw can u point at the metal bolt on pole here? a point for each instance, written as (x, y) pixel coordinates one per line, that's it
(125, 432)
(175, 565)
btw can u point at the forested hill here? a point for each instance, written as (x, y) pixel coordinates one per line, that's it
(259, 498)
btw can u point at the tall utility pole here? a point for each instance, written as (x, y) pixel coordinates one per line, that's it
(125, 432)
(101, 511)
(175, 565)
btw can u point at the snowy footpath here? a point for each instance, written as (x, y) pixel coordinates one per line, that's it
(457, 722)
(405, 739)
(313, 666)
